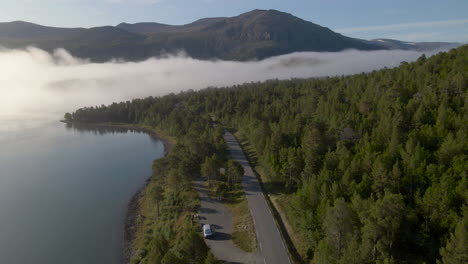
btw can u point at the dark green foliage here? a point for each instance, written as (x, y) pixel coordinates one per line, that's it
(456, 251)
(165, 229)
(210, 170)
(165, 232)
(67, 117)
(381, 224)
(210, 259)
(171, 258)
(338, 226)
(377, 162)
(192, 249)
(234, 173)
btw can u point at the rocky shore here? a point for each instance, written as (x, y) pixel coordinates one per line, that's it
(130, 226)
(133, 209)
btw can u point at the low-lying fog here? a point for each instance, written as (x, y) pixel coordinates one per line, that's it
(33, 81)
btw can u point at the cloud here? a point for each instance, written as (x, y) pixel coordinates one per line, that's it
(403, 26)
(34, 81)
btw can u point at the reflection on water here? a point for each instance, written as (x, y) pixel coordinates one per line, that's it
(100, 129)
(64, 189)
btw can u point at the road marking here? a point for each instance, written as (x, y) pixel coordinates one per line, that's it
(256, 230)
(255, 224)
(258, 197)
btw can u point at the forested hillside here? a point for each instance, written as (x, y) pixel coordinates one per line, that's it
(375, 164)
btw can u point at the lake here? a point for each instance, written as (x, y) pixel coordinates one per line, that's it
(64, 190)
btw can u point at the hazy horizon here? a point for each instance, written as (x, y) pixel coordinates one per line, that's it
(37, 82)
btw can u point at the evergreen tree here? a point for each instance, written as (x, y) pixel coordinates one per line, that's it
(339, 226)
(234, 173)
(456, 251)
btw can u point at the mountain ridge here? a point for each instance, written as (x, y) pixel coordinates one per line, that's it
(253, 35)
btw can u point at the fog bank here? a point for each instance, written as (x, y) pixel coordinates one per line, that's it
(34, 81)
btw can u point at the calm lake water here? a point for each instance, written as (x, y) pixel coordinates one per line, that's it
(64, 191)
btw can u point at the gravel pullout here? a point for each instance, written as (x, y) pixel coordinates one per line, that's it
(216, 214)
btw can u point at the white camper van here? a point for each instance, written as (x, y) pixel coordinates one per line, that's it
(207, 231)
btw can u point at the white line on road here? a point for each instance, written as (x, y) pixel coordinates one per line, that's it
(258, 198)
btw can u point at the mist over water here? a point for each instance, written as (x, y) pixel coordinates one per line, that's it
(33, 81)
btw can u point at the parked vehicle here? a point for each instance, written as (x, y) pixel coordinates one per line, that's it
(207, 231)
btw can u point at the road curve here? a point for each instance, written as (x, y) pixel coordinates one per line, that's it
(271, 248)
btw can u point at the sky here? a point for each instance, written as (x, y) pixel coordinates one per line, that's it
(410, 20)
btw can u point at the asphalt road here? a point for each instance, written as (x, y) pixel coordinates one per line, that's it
(270, 243)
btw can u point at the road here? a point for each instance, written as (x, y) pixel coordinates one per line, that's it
(270, 243)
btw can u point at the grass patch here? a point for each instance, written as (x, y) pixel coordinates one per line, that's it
(285, 209)
(243, 234)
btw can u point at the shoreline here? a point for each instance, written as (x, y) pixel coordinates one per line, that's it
(130, 225)
(167, 140)
(133, 209)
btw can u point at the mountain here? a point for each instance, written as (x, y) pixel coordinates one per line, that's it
(98, 43)
(152, 27)
(257, 34)
(405, 45)
(29, 31)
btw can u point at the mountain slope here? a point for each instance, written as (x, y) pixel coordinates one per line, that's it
(153, 27)
(29, 31)
(405, 45)
(256, 34)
